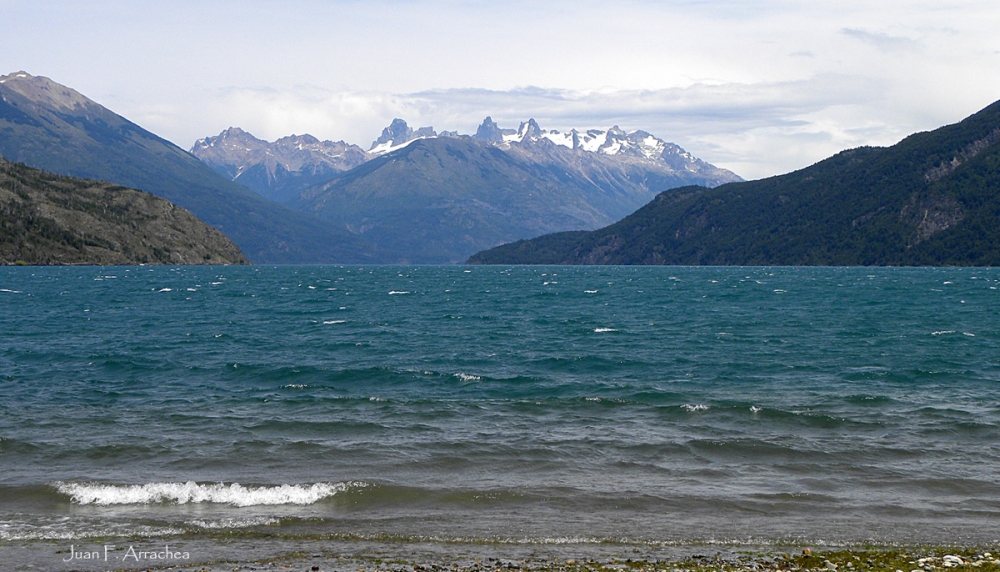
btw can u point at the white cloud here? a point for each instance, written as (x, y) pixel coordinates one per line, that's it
(883, 41)
(754, 129)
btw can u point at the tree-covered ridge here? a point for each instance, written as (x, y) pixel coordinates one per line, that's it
(932, 199)
(50, 219)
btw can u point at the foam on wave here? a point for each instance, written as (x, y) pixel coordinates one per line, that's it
(233, 494)
(228, 523)
(12, 531)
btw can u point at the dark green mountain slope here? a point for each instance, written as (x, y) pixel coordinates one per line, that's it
(51, 219)
(932, 199)
(49, 126)
(439, 200)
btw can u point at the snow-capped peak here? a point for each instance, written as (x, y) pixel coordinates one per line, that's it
(398, 135)
(613, 141)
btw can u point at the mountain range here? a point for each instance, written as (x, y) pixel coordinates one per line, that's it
(932, 199)
(277, 171)
(51, 219)
(49, 126)
(429, 197)
(282, 169)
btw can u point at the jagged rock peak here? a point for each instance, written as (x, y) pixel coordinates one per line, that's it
(529, 130)
(396, 134)
(397, 131)
(489, 131)
(617, 132)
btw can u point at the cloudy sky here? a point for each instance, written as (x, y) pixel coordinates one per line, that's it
(761, 87)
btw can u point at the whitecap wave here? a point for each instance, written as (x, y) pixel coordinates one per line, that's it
(233, 494)
(396, 292)
(19, 531)
(604, 330)
(693, 408)
(234, 522)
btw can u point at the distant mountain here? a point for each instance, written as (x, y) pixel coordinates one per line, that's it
(281, 170)
(50, 126)
(429, 197)
(50, 219)
(277, 171)
(437, 200)
(638, 147)
(932, 199)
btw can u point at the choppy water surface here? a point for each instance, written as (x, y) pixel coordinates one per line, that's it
(524, 405)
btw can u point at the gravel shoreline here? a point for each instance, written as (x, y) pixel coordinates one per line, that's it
(240, 553)
(698, 559)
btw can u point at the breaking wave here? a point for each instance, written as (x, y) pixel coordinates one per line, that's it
(191, 492)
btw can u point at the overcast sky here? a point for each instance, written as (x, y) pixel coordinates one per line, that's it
(760, 87)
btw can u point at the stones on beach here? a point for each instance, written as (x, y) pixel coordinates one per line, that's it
(951, 561)
(946, 561)
(814, 561)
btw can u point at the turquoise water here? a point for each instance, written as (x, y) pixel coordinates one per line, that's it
(493, 404)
